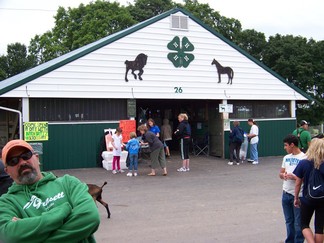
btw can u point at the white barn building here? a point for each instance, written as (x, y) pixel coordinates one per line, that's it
(84, 91)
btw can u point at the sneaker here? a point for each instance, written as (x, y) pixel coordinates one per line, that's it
(187, 169)
(238, 163)
(182, 169)
(121, 171)
(255, 162)
(129, 174)
(135, 173)
(230, 163)
(250, 160)
(114, 172)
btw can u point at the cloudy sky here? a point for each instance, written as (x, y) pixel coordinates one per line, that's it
(21, 20)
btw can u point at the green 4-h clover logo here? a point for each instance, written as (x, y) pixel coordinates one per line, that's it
(180, 58)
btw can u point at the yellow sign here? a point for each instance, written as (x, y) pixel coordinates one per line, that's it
(36, 131)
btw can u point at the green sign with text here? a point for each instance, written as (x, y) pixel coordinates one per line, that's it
(36, 131)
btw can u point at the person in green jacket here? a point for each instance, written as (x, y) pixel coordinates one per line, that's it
(303, 135)
(39, 207)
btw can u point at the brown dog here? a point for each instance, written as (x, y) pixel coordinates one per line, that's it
(96, 191)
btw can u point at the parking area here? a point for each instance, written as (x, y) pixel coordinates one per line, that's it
(214, 202)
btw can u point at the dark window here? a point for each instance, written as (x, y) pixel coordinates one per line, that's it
(77, 109)
(260, 109)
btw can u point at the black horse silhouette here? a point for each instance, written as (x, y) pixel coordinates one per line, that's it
(223, 70)
(137, 64)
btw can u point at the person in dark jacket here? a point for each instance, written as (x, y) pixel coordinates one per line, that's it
(184, 133)
(236, 138)
(5, 179)
(157, 154)
(309, 207)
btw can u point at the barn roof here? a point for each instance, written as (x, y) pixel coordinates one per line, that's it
(33, 73)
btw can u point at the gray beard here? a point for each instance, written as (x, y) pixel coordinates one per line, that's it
(29, 178)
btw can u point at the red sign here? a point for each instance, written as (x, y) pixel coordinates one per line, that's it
(127, 127)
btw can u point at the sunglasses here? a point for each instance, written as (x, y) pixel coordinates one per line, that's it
(15, 160)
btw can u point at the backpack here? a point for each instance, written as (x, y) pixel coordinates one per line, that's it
(301, 144)
(315, 188)
(239, 135)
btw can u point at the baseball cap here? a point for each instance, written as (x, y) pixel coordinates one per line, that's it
(12, 145)
(303, 122)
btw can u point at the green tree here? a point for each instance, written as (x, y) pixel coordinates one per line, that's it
(290, 57)
(3, 67)
(300, 62)
(16, 61)
(252, 42)
(317, 53)
(45, 47)
(315, 112)
(77, 27)
(228, 27)
(145, 9)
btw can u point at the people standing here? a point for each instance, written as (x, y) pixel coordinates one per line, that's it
(184, 133)
(166, 136)
(236, 138)
(117, 143)
(157, 154)
(303, 136)
(133, 147)
(253, 136)
(153, 127)
(291, 213)
(315, 160)
(40, 207)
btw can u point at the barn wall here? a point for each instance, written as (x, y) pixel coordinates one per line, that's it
(271, 134)
(74, 145)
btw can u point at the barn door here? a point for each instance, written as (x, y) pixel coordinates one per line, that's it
(216, 134)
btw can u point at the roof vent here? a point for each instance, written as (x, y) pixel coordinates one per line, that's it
(179, 22)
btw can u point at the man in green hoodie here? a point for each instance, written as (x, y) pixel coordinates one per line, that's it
(39, 207)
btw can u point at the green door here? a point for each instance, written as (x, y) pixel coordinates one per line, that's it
(216, 135)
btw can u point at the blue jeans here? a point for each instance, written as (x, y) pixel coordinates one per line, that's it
(133, 161)
(292, 218)
(254, 151)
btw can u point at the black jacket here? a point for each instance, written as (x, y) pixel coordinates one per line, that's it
(183, 130)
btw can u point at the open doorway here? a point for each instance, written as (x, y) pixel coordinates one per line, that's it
(201, 121)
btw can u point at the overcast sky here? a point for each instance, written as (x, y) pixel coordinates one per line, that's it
(21, 20)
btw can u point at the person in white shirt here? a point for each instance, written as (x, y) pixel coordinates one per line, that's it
(117, 143)
(253, 136)
(291, 213)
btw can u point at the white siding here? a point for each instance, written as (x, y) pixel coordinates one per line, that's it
(101, 73)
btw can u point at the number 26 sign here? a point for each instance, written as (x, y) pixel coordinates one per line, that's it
(178, 90)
